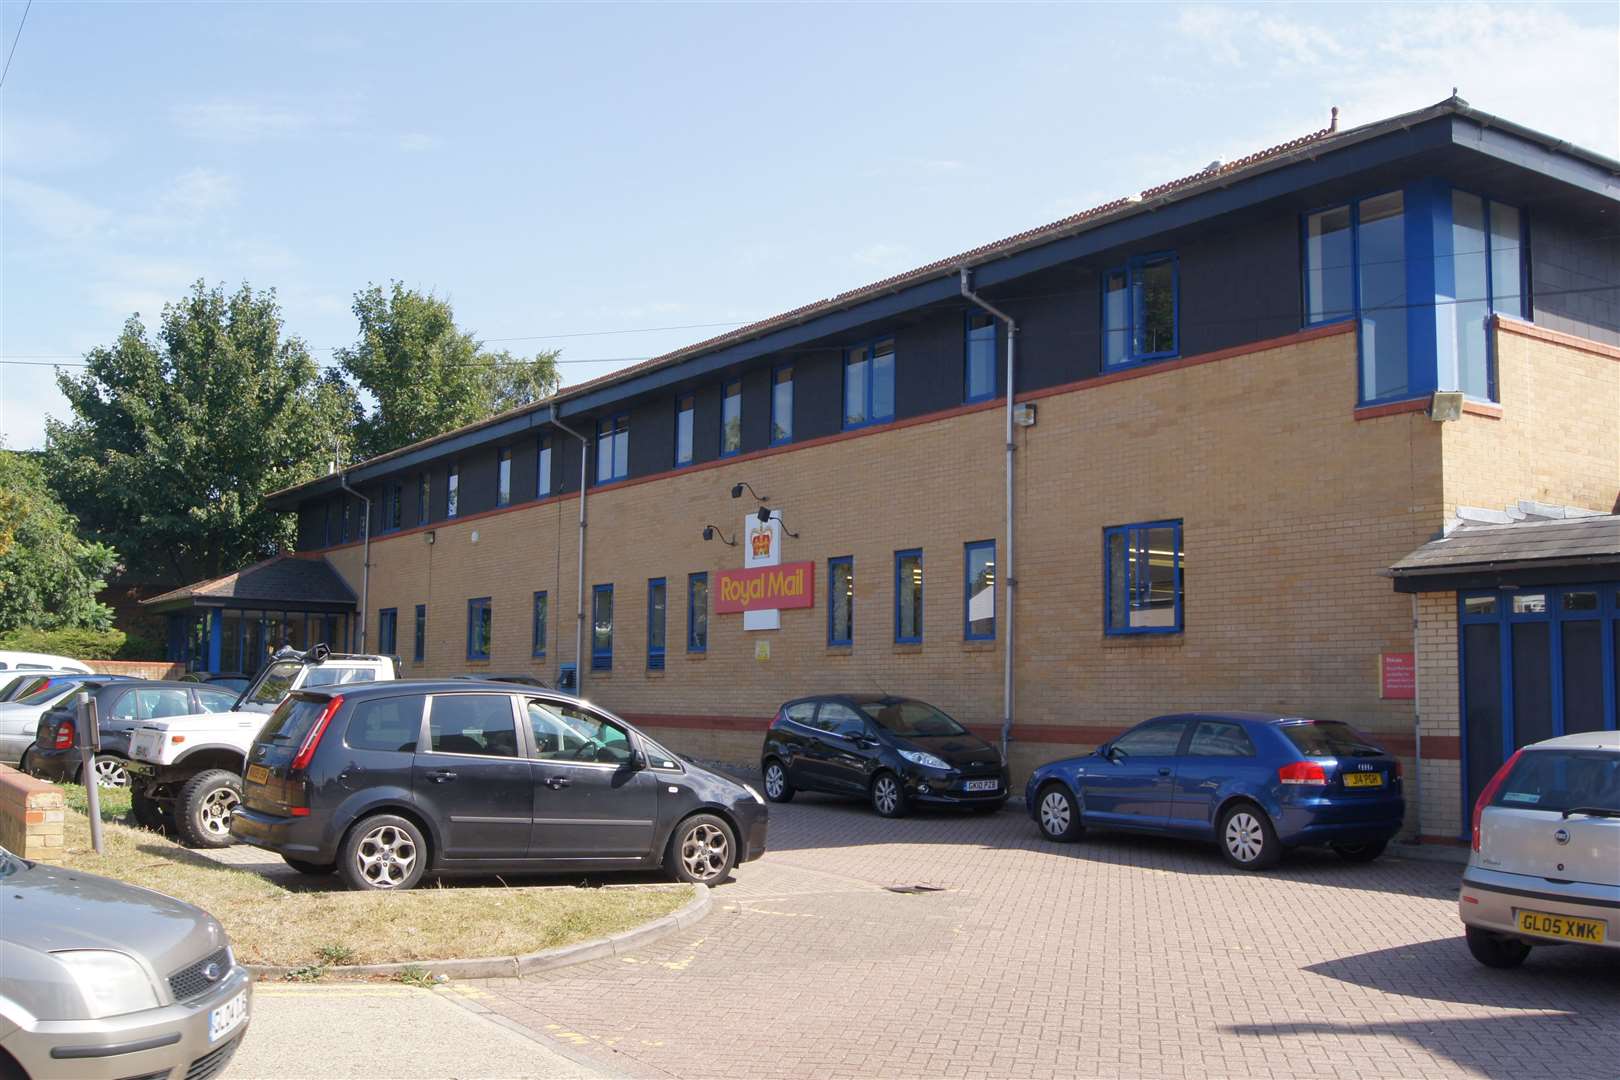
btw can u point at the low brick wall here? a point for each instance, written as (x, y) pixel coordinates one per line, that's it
(139, 669)
(33, 815)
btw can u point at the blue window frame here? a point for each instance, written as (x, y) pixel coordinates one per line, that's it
(1142, 578)
(613, 448)
(503, 476)
(542, 467)
(541, 612)
(1356, 268)
(657, 622)
(685, 408)
(480, 627)
(394, 506)
(697, 613)
(782, 405)
(452, 492)
(1141, 310)
(841, 600)
(979, 591)
(419, 653)
(908, 597)
(869, 384)
(979, 357)
(730, 417)
(388, 631)
(602, 628)
(424, 490)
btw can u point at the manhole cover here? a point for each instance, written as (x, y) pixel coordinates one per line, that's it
(917, 888)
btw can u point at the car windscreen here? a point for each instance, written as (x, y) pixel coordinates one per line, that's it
(1329, 738)
(275, 683)
(49, 693)
(291, 721)
(339, 676)
(1560, 780)
(913, 719)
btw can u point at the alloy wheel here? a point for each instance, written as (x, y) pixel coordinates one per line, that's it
(1055, 813)
(110, 773)
(774, 780)
(886, 793)
(1244, 837)
(706, 852)
(385, 856)
(215, 813)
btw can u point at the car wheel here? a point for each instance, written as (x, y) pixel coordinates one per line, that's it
(204, 807)
(1495, 951)
(1360, 853)
(1247, 839)
(889, 796)
(148, 812)
(382, 853)
(701, 850)
(110, 772)
(1057, 814)
(308, 867)
(777, 788)
(26, 764)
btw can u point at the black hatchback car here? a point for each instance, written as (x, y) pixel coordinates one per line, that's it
(385, 782)
(121, 705)
(894, 751)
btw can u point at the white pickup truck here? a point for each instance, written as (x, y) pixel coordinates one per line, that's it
(186, 771)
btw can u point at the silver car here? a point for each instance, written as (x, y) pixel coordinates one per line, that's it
(1546, 863)
(105, 980)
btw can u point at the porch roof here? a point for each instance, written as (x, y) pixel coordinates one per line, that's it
(282, 582)
(1527, 552)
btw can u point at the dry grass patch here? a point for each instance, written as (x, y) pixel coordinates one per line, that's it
(312, 923)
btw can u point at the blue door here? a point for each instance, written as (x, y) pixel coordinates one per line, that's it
(1219, 756)
(1133, 784)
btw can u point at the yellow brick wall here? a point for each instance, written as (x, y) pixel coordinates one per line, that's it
(1290, 509)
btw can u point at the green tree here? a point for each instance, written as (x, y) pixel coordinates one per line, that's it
(49, 577)
(426, 374)
(177, 439)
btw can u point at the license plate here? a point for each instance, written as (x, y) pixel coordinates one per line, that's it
(1542, 924)
(228, 1017)
(143, 746)
(258, 774)
(981, 785)
(1363, 779)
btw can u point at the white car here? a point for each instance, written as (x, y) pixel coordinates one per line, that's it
(1545, 869)
(19, 719)
(12, 660)
(18, 683)
(186, 771)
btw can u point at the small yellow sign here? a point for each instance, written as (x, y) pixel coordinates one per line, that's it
(762, 650)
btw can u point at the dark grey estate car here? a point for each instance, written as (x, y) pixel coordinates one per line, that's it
(103, 979)
(386, 782)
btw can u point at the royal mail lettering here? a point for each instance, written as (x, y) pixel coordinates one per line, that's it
(766, 588)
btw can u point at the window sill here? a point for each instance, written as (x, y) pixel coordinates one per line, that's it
(908, 648)
(478, 661)
(1140, 640)
(979, 645)
(655, 673)
(840, 650)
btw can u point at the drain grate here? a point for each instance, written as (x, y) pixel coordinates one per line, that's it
(920, 887)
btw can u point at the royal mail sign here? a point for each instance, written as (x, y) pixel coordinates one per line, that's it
(766, 588)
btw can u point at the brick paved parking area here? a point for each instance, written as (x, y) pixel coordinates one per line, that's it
(1117, 956)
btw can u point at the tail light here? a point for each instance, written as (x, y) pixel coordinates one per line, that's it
(313, 739)
(64, 738)
(1490, 791)
(1302, 772)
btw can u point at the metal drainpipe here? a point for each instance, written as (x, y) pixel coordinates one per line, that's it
(365, 558)
(579, 623)
(1007, 575)
(1417, 719)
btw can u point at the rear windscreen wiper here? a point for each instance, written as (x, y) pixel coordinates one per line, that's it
(1592, 811)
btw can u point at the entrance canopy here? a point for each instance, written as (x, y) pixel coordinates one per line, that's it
(1532, 551)
(233, 623)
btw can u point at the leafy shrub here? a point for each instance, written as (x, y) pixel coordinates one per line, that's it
(75, 642)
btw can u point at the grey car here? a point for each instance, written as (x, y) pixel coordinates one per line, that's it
(106, 980)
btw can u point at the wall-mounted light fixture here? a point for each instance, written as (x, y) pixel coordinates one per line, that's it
(710, 532)
(1446, 405)
(428, 537)
(764, 515)
(737, 490)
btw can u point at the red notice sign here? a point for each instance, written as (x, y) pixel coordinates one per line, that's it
(1397, 676)
(766, 588)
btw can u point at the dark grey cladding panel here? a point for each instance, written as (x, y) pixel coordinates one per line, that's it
(929, 364)
(523, 466)
(1059, 327)
(756, 406)
(705, 423)
(567, 450)
(477, 480)
(1575, 273)
(818, 394)
(652, 436)
(1240, 286)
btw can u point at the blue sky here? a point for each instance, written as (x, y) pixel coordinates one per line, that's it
(567, 169)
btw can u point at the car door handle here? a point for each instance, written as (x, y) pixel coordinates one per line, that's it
(1164, 772)
(443, 776)
(557, 783)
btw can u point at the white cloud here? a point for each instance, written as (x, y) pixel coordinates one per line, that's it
(36, 145)
(201, 191)
(237, 121)
(417, 142)
(58, 214)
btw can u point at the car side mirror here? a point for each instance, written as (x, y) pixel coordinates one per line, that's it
(638, 761)
(1113, 753)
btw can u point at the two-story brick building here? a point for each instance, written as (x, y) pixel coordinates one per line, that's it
(1237, 400)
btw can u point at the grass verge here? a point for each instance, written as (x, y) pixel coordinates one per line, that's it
(311, 924)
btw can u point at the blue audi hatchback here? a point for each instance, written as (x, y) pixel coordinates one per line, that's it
(1256, 783)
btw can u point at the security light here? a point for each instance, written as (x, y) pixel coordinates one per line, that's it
(711, 531)
(1446, 405)
(764, 515)
(737, 490)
